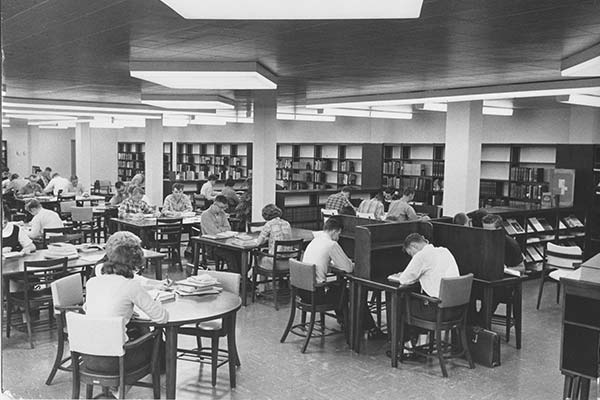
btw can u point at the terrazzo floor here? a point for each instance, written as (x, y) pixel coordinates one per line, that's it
(328, 370)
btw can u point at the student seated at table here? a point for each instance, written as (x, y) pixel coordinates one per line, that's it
(32, 188)
(138, 180)
(115, 292)
(274, 229)
(57, 185)
(44, 176)
(177, 202)
(13, 237)
(324, 252)
(16, 184)
(214, 220)
(75, 186)
(232, 197)
(42, 219)
(208, 190)
(135, 205)
(373, 206)
(401, 211)
(428, 266)
(120, 195)
(461, 219)
(339, 200)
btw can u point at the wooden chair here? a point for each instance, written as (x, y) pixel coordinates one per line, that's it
(446, 313)
(101, 356)
(48, 233)
(109, 226)
(65, 209)
(275, 266)
(558, 262)
(199, 202)
(33, 291)
(85, 222)
(204, 256)
(303, 277)
(166, 234)
(252, 227)
(215, 330)
(67, 295)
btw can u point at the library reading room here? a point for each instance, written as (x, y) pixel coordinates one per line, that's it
(300, 199)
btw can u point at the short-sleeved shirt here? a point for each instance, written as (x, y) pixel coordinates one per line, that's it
(180, 204)
(372, 206)
(429, 266)
(213, 221)
(401, 211)
(57, 184)
(207, 191)
(337, 201)
(132, 207)
(323, 252)
(273, 230)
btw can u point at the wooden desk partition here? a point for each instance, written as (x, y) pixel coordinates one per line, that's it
(476, 250)
(350, 222)
(379, 247)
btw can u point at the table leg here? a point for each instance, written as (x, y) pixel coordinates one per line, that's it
(393, 327)
(358, 325)
(584, 389)
(350, 317)
(488, 299)
(232, 350)
(157, 262)
(518, 312)
(171, 360)
(195, 257)
(244, 272)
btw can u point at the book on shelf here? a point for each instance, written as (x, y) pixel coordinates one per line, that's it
(509, 228)
(534, 254)
(517, 227)
(561, 225)
(545, 224)
(535, 224)
(573, 222)
(525, 174)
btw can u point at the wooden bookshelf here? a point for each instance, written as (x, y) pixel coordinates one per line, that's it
(196, 161)
(130, 160)
(167, 159)
(417, 166)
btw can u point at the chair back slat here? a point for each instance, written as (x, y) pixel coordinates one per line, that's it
(96, 336)
(40, 274)
(73, 238)
(67, 291)
(568, 257)
(303, 275)
(168, 230)
(455, 291)
(50, 232)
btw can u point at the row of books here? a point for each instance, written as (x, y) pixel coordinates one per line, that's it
(130, 164)
(131, 147)
(526, 191)
(319, 165)
(347, 166)
(413, 169)
(437, 169)
(301, 214)
(534, 253)
(488, 189)
(392, 167)
(130, 156)
(540, 224)
(527, 174)
(347, 179)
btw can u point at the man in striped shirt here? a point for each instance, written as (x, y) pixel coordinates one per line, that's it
(373, 206)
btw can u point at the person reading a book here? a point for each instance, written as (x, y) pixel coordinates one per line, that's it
(213, 221)
(274, 229)
(374, 205)
(337, 201)
(135, 206)
(177, 202)
(115, 292)
(401, 211)
(13, 237)
(41, 220)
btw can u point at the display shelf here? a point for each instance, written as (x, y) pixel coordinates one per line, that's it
(130, 160)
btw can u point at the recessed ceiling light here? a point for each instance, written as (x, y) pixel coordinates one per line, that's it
(188, 101)
(204, 75)
(585, 63)
(294, 10)
(580, 99)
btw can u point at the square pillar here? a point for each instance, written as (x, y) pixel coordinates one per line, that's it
(154, 161)
(462, 167)
(83, 154)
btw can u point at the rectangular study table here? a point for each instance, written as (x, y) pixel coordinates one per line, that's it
(242, 248)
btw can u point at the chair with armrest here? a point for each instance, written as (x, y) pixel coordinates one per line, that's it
(559, 261)
(215, 330)
(446, 313)
(67, 295)
(101, 355)
(85, 222)
(303, 277)
(275, 267)
(33, 292)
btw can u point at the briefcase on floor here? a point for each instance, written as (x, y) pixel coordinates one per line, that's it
(484, 346)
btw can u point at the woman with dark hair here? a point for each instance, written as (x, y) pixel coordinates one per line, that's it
(274, 229)
(114, 292)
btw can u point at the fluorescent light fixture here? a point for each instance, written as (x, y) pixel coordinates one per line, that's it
(6, 125)
(208, 120)
(580, 99)
(187, 101)
(3, 89)
(53, 127)
(305, 117)
(204, 75)
(507, 103)
(585, 63)
(296, 10)
(505, 112)
(346, 112)
(439, 107)
(5, 120)
(390, 115)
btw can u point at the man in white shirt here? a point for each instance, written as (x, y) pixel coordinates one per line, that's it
(42, 219)
(57, 184)
(75, 186)
(324, 252)
(207, 189)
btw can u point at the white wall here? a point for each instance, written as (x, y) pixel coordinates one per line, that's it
(18, 155)
(52, 148)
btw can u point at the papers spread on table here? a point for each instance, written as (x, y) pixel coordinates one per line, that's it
(13, 254)
(89, 247)
(59, 250)
(226, 234)
(244, 239)
(161, 295)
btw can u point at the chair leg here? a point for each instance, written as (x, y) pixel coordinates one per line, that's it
(214, 353)
(541, 289)
(75, 373)
(291, 319)
(254, 273)
(89, 391)
(59, 351)
(508, 319)
(465, 345)
(378, 305)
(276, 284)
(8, 311)
(310, 330)
(199, 345)
(557, 292)
(322, 321)
(28, 323)
(440, 352)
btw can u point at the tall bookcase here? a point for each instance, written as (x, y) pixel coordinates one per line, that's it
(417, 166)
(130, 160)
(225, 160)
(167, 159)
(4, 161)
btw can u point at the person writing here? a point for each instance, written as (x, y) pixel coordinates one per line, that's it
(75, 186)
(338, 201)
(274, 229)
(13, 237)
(135, 205)
(177, 202)
(121, 194)
(42, 219)
(401, 211)
(214, 220)
(32, 188)
(57, 185)
(373, 206)
(208, 190)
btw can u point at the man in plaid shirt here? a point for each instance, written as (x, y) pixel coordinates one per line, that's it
(339, 200)
(177, 202)
(135, 205)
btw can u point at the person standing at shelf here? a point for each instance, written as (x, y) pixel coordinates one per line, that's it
(177, 202)
(208, 190)
(338, 201)
(373, 206)
(401, 211)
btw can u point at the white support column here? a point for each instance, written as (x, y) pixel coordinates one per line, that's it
(462, 170)
(83, 154)
(264, 151)
(584, 125)
(154, 161)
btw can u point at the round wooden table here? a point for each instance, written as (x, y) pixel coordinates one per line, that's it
(191, 310)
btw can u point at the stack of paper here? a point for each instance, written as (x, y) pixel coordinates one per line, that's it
(198, 285)
(226, 234)
(161, 295)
